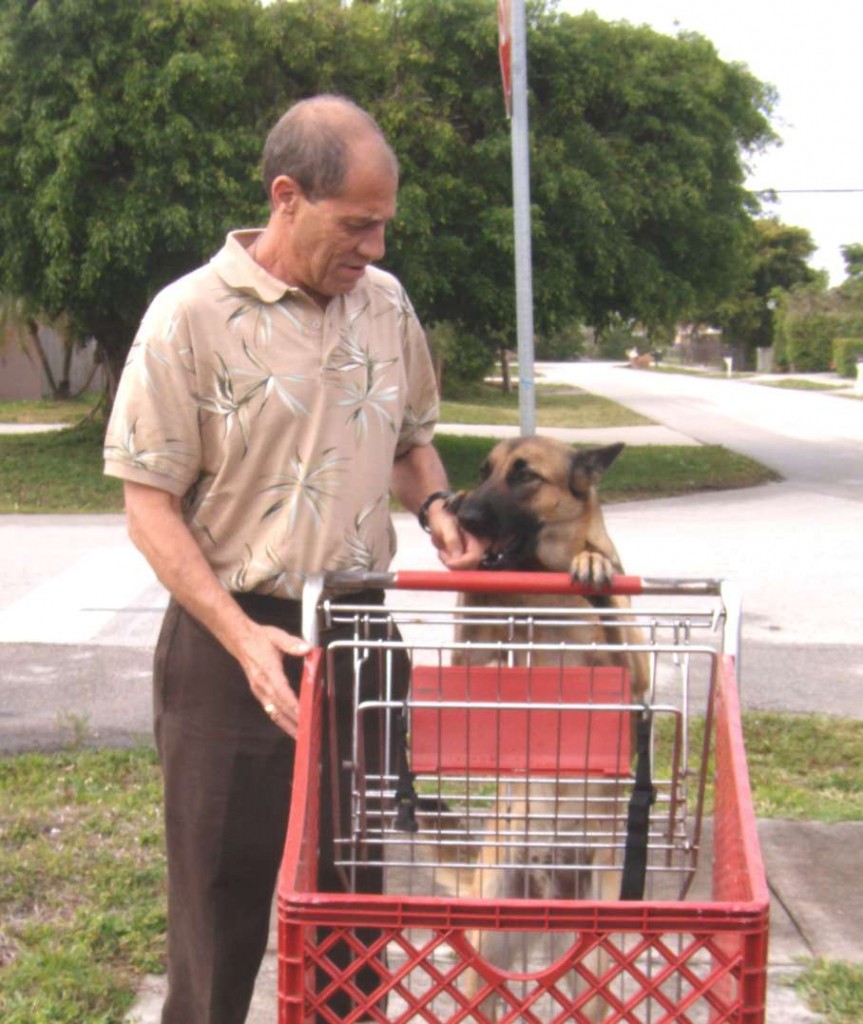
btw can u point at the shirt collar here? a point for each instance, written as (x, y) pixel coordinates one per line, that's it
(239, 271)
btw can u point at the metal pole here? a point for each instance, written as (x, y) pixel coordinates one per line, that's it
(521, 217)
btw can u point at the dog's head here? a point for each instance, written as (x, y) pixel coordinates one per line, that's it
(536, 503)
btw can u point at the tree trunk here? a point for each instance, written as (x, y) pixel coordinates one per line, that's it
(504, 370)
(36, 342)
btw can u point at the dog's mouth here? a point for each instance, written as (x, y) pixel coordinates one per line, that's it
(510, 531)
(506, 553)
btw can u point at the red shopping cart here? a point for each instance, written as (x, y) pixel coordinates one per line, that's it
(491, 726)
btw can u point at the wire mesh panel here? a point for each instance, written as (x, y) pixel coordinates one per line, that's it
(499, 816)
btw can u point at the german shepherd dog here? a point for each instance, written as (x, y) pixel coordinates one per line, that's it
(537, 506)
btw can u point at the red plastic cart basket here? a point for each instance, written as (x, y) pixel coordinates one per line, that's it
(691, 956)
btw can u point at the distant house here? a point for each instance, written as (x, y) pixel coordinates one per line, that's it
(697, 345)
(23, 377)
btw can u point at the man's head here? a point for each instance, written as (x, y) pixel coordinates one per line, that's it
(311, 144)
(331, 179)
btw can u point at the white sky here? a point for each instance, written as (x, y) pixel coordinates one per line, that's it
(811, 53)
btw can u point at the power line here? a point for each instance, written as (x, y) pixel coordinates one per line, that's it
(803, 191)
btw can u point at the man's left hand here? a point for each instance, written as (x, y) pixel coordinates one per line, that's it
(457, 548)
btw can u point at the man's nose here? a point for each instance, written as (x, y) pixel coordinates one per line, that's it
(373, 243)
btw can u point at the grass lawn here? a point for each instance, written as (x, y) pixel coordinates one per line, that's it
(799, 384)
(834, 988)
(46, 410)
(82, 902)
(654, 471)
(57, 472)
(62, 472)
(82, 898)
(556, 406)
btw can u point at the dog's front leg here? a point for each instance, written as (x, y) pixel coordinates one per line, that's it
(494, 946)
(605, 885)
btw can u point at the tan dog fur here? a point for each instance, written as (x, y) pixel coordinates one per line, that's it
(548, 489)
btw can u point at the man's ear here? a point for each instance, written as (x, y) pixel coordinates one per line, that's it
(284, 195)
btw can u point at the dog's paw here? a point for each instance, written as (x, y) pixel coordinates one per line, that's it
(591, 569)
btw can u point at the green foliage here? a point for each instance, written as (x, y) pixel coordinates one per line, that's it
(615, 339)
(846, 354)
(775, 257)
(639, 176)
(463, 358)
(561, 344)
(130, 132)
(853, 256)
(809, 318)
(129, 135)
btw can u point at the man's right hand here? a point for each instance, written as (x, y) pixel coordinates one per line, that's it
(261, 653)
(157, 529)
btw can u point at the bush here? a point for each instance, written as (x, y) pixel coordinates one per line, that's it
(460, 357)
(846, 353)
(807, 321)
(615, 340)
(810, 342)
(562, 345)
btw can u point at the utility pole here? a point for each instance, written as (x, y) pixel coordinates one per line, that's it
(513, 54)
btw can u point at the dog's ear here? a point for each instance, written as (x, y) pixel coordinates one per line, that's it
(589, 464)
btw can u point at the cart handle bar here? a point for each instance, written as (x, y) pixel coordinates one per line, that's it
(502, 582)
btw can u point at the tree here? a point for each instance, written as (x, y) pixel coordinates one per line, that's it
(852, 254)
(638, 143)
(809, 319)
(129, 133)
(776, 258)
(21, 324)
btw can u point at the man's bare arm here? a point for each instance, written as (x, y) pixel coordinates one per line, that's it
(157, 529)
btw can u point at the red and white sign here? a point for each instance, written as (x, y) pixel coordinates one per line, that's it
(504, 31)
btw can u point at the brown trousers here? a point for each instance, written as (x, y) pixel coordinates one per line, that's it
(227, 773)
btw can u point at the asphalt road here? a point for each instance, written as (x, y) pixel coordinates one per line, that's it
(79, 608)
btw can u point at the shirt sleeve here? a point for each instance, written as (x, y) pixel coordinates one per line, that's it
(423, 407)
(153, 434)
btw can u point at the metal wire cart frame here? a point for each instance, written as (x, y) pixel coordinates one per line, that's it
(499, 807)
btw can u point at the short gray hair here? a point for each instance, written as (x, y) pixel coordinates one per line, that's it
(311, 142)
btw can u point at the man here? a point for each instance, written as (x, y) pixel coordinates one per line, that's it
(272, 400)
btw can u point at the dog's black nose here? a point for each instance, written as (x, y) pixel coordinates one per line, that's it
(476, 519)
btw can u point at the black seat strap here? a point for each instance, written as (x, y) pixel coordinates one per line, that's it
(638, 815)
(406, 794)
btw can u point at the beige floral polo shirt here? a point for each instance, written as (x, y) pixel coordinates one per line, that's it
(275, 421)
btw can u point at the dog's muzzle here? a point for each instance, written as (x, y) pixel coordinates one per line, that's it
(511, 530)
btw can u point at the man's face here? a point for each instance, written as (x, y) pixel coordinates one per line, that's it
(333, 240)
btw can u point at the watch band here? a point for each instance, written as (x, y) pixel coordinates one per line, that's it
(423, 514)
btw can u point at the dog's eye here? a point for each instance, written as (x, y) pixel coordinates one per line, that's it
(521, 473)
(484, 472)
